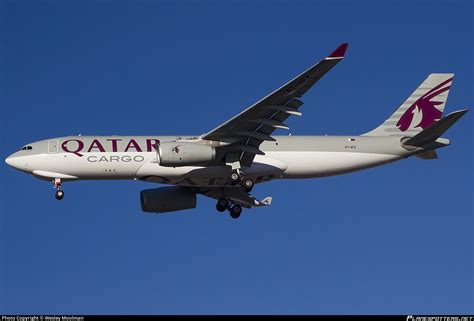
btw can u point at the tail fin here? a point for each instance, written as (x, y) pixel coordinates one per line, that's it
(423, 108)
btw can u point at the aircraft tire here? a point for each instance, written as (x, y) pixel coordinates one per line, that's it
(235, 211)
(59, 194)
(248, 184)
(234, 178)
(222, 205)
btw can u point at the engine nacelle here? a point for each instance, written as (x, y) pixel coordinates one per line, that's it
(184, 154)
(167, 199)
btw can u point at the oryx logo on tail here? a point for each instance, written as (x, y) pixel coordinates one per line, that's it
(421, 109)
(426, 107)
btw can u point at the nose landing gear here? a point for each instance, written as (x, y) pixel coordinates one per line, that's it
(59, 190)
(59, 194)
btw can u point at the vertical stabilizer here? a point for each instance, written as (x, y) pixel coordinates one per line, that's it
(423, 108)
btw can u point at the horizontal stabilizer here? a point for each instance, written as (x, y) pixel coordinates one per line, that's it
(433, 132)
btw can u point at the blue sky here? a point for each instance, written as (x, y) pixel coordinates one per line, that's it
(395, 239)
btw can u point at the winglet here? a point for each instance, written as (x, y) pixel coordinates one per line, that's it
(339, 52)
(266, 201)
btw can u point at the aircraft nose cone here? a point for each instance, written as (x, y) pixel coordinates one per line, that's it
(13, 161)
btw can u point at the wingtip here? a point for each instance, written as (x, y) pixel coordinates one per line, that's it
(461, 111)
(340, 51)
(267, 200)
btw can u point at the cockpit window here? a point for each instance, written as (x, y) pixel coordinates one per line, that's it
(26, 148)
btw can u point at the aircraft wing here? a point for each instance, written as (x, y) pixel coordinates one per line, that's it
(245, 132)
(236, 194)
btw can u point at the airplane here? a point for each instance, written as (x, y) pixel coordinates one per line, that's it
(226, 162)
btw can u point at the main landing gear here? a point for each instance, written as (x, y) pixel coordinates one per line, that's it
(59, 190)
(234, 210)
(222, 205)
(235, 177)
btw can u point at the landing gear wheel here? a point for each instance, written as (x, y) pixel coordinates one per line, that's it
(248, 184)
(222, 204)
(59, 194)
(59, 191)
(234, 177)
(235, 211)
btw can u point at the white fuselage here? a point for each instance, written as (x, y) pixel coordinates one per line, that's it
(114, 157)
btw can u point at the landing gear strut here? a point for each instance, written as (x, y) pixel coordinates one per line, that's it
(59, 190)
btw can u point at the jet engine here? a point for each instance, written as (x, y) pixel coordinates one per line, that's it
(184, 154)
(167, 199)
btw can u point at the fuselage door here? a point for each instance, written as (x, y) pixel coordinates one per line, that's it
(53, 146)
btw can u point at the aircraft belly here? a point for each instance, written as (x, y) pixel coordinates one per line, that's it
(319, 164)
(207, 176)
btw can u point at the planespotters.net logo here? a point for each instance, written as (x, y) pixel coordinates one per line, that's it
(439, 318)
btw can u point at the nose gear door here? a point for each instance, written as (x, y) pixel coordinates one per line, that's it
(53, 146)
